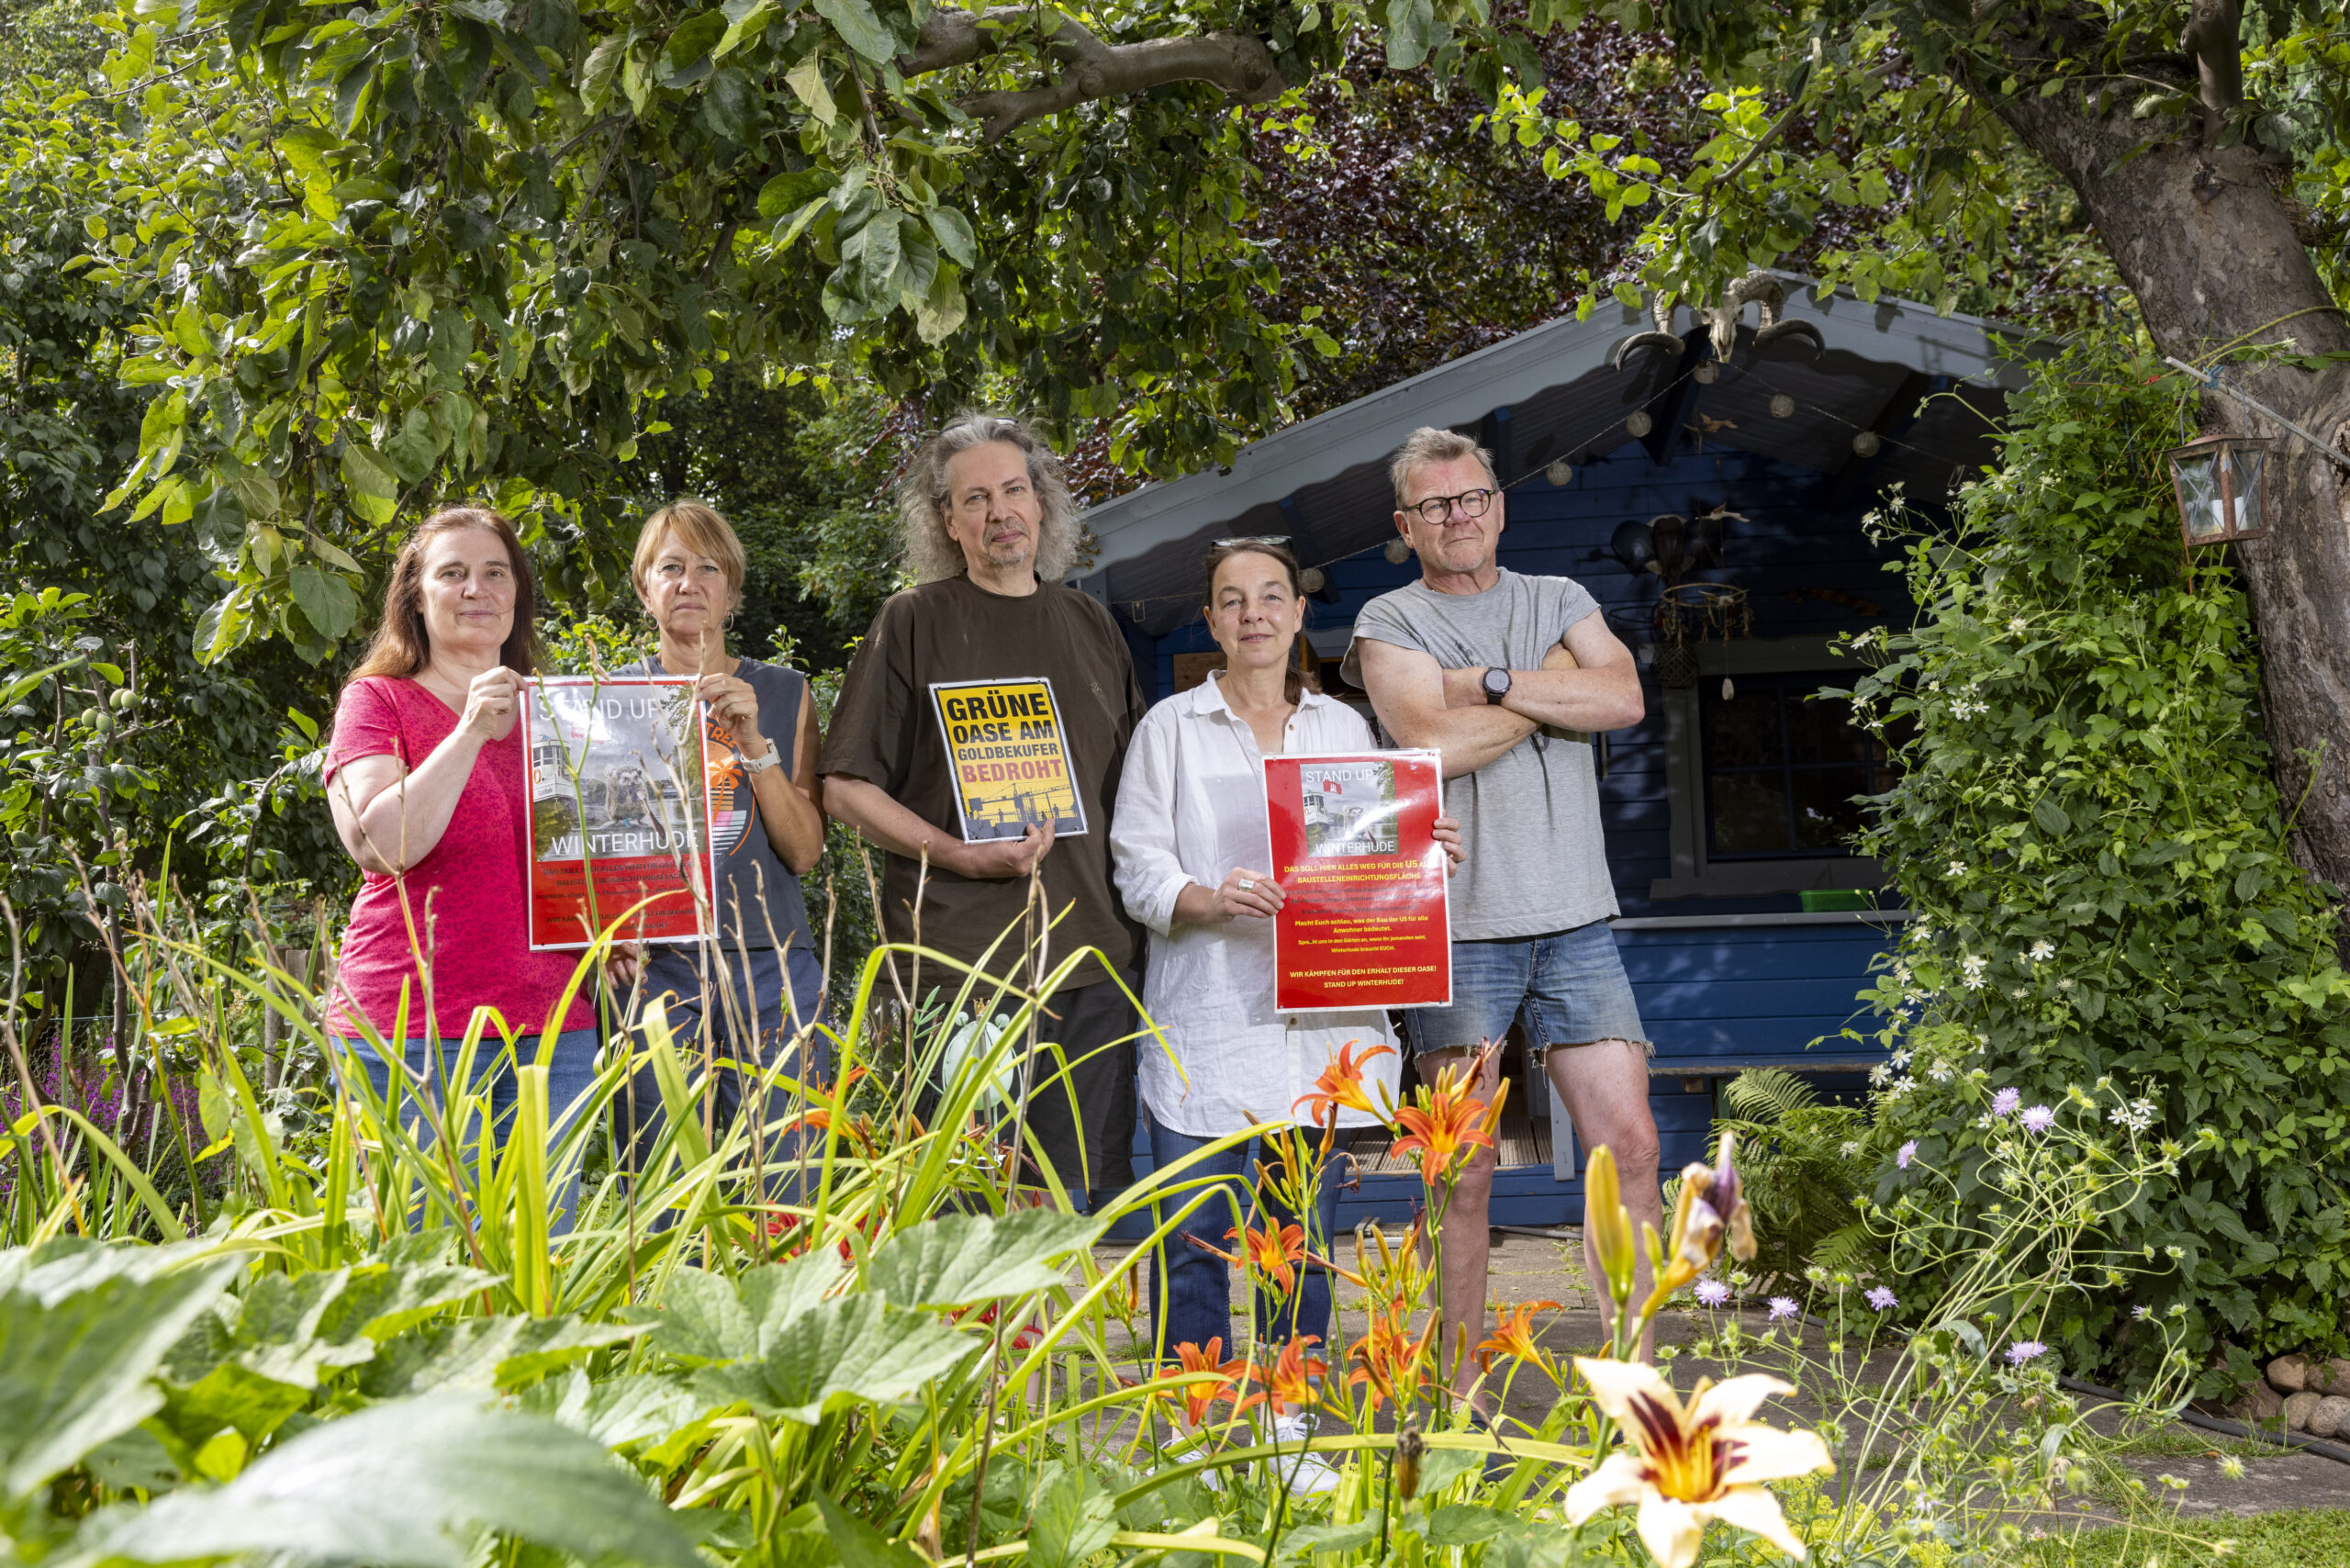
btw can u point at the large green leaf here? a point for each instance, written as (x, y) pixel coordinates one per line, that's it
(1075, 1517)
(843, 1351)
(707, 1318)
(484, 1353)
(859, 1544)
(860, 28)
(653, 1411)
(957, 1260)
(409, 1485)
(81, 1331)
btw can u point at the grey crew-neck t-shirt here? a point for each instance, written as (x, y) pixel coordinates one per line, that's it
(1529, 818)
(749, 870)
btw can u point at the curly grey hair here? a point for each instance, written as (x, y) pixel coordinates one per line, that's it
(1430, 444)
(930, 552)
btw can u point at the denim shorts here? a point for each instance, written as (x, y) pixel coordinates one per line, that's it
(1567, 987)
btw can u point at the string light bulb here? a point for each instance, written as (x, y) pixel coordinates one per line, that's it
(1397, 552)
(1639, 424)
(1560, 471)
(1867, 443)
(1782, 406)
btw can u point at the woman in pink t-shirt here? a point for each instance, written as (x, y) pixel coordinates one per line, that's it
(424, 777)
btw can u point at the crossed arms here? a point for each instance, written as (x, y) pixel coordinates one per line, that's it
(1587, 682)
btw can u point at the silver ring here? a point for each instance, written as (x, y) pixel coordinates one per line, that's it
(1247, 886)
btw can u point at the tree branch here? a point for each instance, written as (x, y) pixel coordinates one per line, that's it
(2213, 36)
(1089, 69)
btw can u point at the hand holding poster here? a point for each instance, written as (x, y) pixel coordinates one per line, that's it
(618, 809)
(1364, 919)
(1012, 772)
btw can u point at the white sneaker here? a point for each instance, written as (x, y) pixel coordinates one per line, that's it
(1304, 1471)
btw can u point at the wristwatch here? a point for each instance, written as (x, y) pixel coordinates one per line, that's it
(760, 764)
(1496, 684)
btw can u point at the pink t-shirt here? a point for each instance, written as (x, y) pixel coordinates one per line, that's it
(467, 897)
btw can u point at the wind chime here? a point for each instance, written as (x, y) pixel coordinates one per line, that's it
(1686, 614)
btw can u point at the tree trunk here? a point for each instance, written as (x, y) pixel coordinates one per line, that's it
(2211, 253)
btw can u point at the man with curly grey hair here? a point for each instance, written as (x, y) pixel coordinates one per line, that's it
(986, 654)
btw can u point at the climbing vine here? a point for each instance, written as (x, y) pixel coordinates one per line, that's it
(2089, 834)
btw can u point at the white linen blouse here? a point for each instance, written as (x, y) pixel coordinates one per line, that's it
(1192, 808)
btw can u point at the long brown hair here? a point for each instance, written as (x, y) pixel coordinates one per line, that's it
(1293, 676)
(401, 647)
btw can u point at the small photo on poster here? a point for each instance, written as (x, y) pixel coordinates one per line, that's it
(1349, 809)
(618, 809)
(1011, 761)
(1366, 915)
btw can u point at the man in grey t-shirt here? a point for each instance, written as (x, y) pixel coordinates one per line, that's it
(1498, 671)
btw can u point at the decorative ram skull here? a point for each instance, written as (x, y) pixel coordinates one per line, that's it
(1758, 288)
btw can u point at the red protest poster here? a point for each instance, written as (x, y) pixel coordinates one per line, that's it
(619, 807)
(1365, 921)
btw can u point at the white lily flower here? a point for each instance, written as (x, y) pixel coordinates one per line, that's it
(1687, 1466)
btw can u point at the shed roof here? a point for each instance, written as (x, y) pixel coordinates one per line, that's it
(1550, 393)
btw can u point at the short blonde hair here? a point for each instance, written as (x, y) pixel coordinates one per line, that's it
(1431, 443)
(700, 528)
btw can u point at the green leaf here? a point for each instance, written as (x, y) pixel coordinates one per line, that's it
(959, 1260)
(409, 1485)
(600, 71)
(1411, 33)
(326, 599)
(372, 484)
(860, 28)
(82, 1331)
(486, 1353)
(693, 40)
(746, 23)
(859, 1544)
(953, 232)
(707, 1318)
(413, 450)
(1074, 1519)
(806, 80)
(788, 192)
(846, 1350)
(2050, 816)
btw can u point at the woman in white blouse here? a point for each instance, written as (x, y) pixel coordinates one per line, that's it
(1189, 842)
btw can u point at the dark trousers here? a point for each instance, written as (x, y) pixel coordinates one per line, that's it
(774, 996)
(1090, 1143)
(1191, 1288)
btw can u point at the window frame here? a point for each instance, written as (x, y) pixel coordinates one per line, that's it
(1875, 771)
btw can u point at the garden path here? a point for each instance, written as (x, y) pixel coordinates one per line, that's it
(1527, 1268)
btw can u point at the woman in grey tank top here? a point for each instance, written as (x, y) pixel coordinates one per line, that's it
(758, 989)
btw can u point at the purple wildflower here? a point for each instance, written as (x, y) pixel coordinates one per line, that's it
(2023, 1350)
(2005, 1101)
(1783, 1306)
(1908, 1149)
(2039, 1119)
(1713, 1293)
(1883, 1298)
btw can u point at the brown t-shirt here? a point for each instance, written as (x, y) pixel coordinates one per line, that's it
(885, 731)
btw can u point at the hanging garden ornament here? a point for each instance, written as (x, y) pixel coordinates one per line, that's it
(1560, 471)
(1397, 552)
(2221, 482)
(1730, 692)
(1637, 423)
(1782, 406)
(1311, 578)
(1867, 443)
(1756, 288)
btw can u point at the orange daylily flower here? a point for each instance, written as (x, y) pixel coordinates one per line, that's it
(1197, 1397)
(1513, 1336)
(1389, 1359)
(1272, 1250)
(1341, 1084)
(1292, 1370)
(1448, 1122)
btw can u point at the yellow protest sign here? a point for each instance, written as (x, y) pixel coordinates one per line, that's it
(1010, 763)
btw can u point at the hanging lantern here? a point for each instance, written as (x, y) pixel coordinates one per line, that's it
(1397, 552)
(1560, 471)
(1637, 423)
(1706, 371)
(1865, 444)
(1782, 406)
(2222, 486)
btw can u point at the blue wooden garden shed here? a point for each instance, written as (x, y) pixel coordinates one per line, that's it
(1727, 808)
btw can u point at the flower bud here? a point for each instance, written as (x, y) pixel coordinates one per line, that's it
(1610, 1224)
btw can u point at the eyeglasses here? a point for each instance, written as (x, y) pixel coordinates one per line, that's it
(1469, 503)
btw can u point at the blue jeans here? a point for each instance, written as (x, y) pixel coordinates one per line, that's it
(571, 1068)
(1568, 986)
(1192, 1290)
(760, 1002)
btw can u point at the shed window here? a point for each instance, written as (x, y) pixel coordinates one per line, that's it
(1783, 767)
